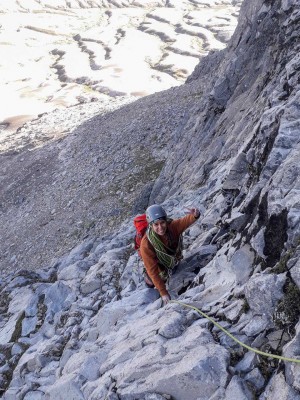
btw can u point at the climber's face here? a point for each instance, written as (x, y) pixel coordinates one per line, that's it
(159, 226)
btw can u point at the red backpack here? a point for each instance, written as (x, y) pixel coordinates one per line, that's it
(141, 225)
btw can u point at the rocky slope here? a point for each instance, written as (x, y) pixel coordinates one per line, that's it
(85, 325)
(62, 171)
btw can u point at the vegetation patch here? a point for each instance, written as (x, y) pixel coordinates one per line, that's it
(267, 366)
(18, 328)
(281, 266)
(245, 307)
(288, 309)
(4, 302)
(41, 312)
(236, 355)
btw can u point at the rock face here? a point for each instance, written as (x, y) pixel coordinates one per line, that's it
(86, 325)
(87, 61)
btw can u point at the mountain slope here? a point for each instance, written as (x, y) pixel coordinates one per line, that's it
(74, 172)
(87, 326)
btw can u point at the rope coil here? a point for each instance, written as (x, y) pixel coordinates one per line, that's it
(167, 260)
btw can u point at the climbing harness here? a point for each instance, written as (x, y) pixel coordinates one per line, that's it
(262, 353)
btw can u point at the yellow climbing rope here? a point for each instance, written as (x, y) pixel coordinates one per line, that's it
(262, 353)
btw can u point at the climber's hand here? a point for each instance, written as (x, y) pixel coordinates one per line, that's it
(193, 211)
(166, 298)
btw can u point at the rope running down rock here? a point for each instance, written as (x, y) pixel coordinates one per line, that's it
(262, 353)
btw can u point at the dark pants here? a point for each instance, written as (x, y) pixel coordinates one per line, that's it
(148, 280)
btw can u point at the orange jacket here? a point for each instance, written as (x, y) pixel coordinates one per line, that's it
(175, 227)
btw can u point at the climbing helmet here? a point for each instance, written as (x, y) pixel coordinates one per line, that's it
(155, 212)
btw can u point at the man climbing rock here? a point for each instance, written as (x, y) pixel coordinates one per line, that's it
(162, 245)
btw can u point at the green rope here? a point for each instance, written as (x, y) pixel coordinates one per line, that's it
(167, 260)
(234, 338)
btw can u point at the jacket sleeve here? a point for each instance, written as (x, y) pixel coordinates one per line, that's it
(151, 264)
(180, 225)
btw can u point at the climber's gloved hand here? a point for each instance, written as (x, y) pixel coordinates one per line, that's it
(166, 298)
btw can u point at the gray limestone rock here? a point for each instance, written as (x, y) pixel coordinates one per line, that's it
(248, 362)
(277, 339)
(233, 310)
(255, 378)
(290, 350)
(263, 293)
(78, 253)
(238, 173)
(173, 326)
(237, 389)
(58, 296)
(242, 261)
(198, 375)
(257, 324)
(11, 327)
(109, 315)
(29, 325)
(34, 395)
(295, 272)
(132, 274)
(64, 386)
(86, 364)
(91, 281)
(278, 385)
(73, 271)
(227, 141)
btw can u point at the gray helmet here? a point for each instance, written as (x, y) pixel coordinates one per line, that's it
(155, 212)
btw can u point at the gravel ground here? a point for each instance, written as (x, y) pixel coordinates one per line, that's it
(59, 187)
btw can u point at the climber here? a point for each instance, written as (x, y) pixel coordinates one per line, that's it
(162, 245)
